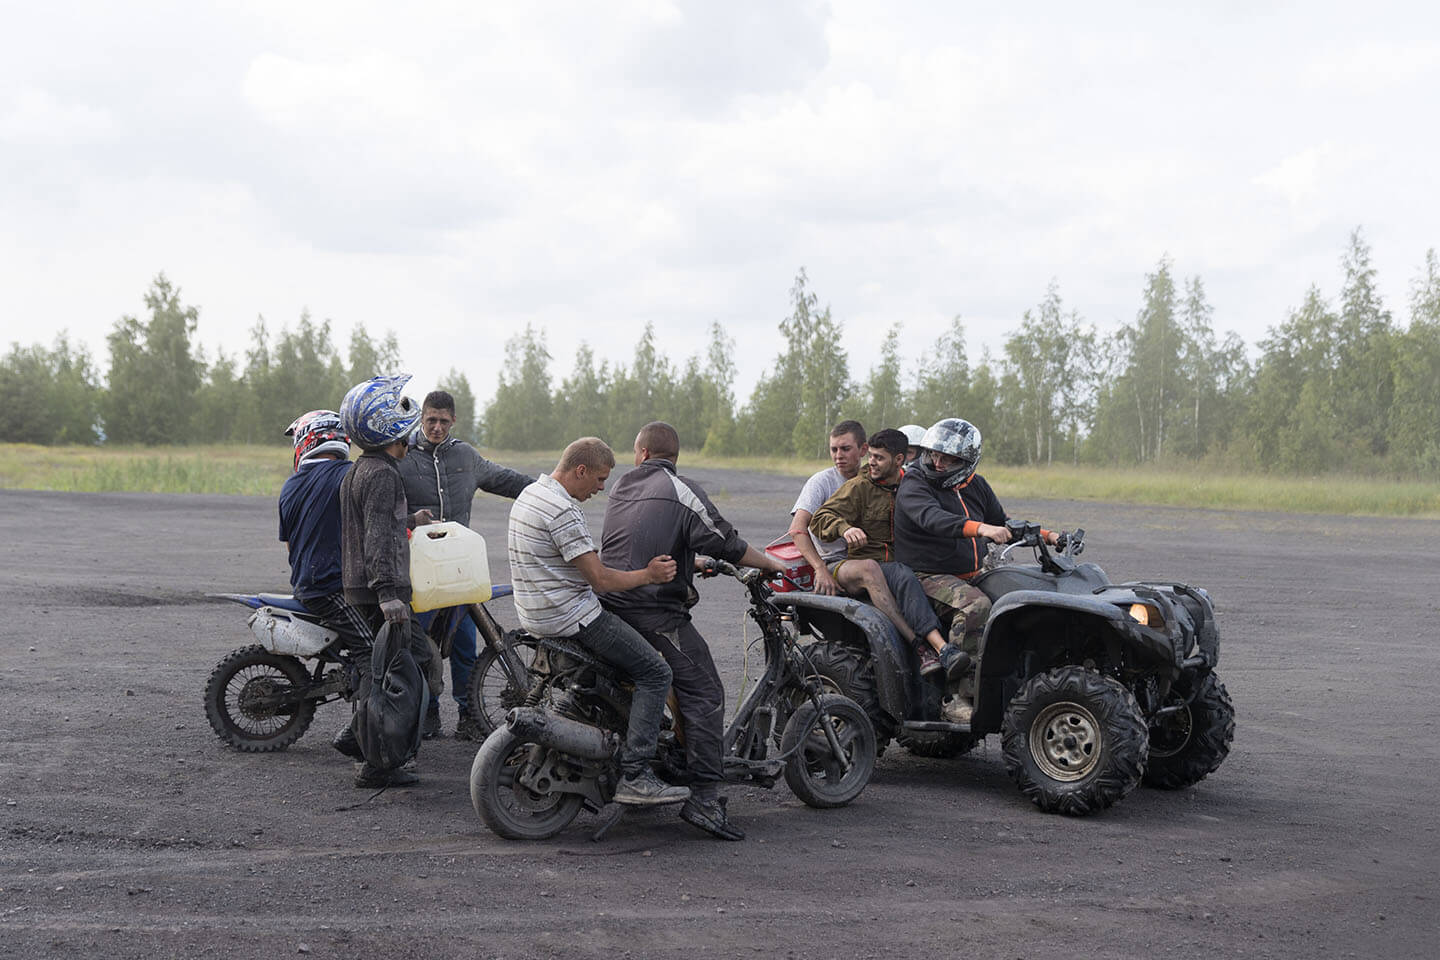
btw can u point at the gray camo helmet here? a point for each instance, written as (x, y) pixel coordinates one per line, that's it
(958, 438)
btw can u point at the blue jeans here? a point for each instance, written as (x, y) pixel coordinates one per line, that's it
(618, 644)
(462, 653)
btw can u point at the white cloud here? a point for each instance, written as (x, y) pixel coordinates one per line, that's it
(35, 116)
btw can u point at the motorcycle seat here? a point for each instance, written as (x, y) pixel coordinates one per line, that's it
(282, 601)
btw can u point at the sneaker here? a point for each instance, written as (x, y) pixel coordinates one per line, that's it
(644, 789)
(368, 777)
(929, 661)
(710, 816)
(431, 729)
(468, 728)
(957, 709)
(954, 660)
(344, 741)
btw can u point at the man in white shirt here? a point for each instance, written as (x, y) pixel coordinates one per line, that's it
(556, 572)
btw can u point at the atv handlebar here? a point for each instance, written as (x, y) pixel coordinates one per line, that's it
(1026, 534)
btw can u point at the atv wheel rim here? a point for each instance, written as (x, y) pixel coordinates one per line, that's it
(1065, 741)
(1170, 734)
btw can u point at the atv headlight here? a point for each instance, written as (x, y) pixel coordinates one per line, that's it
(1147, 615)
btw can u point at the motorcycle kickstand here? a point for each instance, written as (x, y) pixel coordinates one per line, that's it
(609, 816)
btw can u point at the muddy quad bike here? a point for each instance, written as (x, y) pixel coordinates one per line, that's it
(558, 753)
(262, 698)
(1093, 686)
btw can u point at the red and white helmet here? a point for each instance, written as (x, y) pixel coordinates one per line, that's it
(318, 432)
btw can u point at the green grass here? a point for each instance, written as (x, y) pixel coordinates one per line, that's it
(260, 470)
(212, 469)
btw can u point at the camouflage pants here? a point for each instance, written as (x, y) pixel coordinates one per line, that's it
(950, 595)
(968, 608)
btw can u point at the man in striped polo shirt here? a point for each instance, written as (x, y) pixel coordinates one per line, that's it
(556, 572)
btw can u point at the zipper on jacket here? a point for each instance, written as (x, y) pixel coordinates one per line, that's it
(439, 487)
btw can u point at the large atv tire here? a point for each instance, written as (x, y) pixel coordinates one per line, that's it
(1074, 741)
(238, 684)
(508, 808)
(818, 775)
(853, 675)
(1188, 746)
(492, 693)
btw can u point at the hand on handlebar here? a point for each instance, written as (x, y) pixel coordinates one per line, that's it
(1053, 538)
(707, 567)
(661, 569)
(993, 533)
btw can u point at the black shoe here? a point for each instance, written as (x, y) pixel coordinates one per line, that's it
(644, 789)
(954, 660)
(370, 778)
(710, 816)
(468, 728)
(344, 741)
(431, 729)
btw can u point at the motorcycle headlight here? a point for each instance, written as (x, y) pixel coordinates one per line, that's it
(1147, 615)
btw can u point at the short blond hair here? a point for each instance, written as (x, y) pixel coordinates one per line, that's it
(589, 452)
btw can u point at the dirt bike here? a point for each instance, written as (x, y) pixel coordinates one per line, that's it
(1093, 686)
(558, 752)
(262, 697)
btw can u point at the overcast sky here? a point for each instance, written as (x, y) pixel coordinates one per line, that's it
(453, 171)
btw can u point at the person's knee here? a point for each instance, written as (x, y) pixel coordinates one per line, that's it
(654, 674)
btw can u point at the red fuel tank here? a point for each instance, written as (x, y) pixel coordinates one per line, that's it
(796, 567)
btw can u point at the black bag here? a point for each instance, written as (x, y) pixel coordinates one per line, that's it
(388, 714)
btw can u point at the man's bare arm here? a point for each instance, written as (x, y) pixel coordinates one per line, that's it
(761, 559)
(800, 533)
(608, 580)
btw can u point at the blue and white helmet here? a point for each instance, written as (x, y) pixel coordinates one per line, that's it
(957, 438)
(375, 414)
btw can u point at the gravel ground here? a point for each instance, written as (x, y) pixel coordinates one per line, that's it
(131, 831)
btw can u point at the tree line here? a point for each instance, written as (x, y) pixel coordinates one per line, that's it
(1337, 385)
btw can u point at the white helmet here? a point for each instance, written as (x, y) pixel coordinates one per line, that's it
(914, 433)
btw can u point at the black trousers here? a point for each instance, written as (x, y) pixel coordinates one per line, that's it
(697, 687)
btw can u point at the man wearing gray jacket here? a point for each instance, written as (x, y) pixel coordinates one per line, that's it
(442, 474)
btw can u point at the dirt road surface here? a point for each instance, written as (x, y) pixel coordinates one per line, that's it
(131, 831)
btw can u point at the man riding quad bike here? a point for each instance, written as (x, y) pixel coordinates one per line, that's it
(1093, 686)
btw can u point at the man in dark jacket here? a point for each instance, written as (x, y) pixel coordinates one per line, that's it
(653, 511)
(946, 517)
(441, 474)
(374, 524)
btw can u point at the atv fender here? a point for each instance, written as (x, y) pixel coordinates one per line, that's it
(862, 626)
(1005, 642)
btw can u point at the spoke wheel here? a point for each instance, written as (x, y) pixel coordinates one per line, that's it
(241, 695)
(492, 693)
(817, 774)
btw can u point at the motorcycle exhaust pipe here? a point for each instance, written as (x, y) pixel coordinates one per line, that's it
(560, 733)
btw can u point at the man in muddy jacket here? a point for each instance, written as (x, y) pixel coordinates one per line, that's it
(654, 512)
(441, 474)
